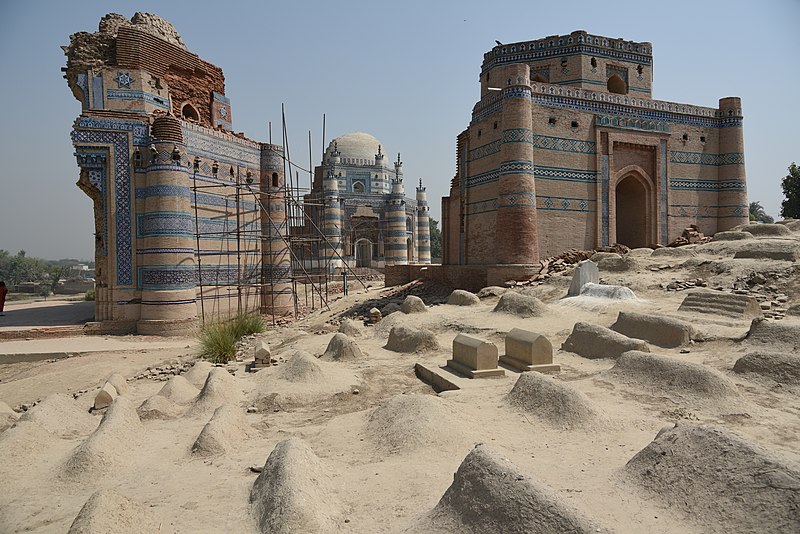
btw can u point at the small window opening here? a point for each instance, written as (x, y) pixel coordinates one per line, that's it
(551, 121)
(685, 137)
(189, 113)
(616, 85)
(703, 139)
(479, 133)
(594, 62)
(275, 182)
(358, 187)
(574, 124)
(494, 126)
(640, 70)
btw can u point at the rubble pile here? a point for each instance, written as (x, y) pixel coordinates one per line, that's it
(690, 236)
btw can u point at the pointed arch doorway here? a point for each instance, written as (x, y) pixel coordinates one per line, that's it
(634, 204)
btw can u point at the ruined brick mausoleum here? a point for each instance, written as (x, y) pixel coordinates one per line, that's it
(170, 183)
(567, 149)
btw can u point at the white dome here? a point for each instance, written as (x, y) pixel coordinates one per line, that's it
(356, 146)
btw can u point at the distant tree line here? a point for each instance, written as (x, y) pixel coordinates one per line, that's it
(20, 268)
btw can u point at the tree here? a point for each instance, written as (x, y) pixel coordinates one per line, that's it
(57, 272)
(790, 207)
(436, 239)
(757, 213)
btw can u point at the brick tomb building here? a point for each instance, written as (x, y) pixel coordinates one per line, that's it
(567, 148)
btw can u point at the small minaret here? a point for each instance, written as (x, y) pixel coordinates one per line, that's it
(276, 296)
(332, 215)
(379, 157)
(731, 147)
(423, 226)
(396, 238)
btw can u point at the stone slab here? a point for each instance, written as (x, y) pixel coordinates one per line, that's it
(435, 377)
(472, 373)
(585, 272)
(528, 347)
(522, 366)
(475, 354)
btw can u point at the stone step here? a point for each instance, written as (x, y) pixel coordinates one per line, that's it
(718, 303)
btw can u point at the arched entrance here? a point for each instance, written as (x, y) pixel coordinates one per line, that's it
(363, 253)
(633, 211)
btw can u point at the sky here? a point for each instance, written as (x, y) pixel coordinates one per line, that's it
(406, 72)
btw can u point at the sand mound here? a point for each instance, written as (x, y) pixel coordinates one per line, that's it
(489, 494)
(408, 422)
(773, 249)
(220, 388)
(390, 308)
(198, 373)
(107, 447)
(119, 382)
(768, 230)
(406, 339)
(23, 443)
(294, 492)
(302, 367)
(350, 328)
(780, 367)
(413, 304)
(617, 263)
(60, 415)
(656, 329)
(520, 305)
(781, 336)
(555, 402)
(7, 416)
(159, 407)
(672, 378)
(179, 390)
(108, 512)
(459, 297)
(595, 341)
(342, 348)
(720, 479)
(731, 236)
(491, 291)
(226, 429)
(672, 252)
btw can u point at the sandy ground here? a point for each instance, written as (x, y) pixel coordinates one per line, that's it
(386, 479)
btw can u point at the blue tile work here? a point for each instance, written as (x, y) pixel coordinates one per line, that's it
(631, 123)
(483, 178)
(702, 158)
(517, 198)
(94, 159)
(221, 148)
(550, 203)
(83, 83)
(517, 135)
(516, 167)
(693, 184)
(123, 79)
(540, 173)
(484, 150)
(523, 198)
(119, 135)
(564, 144)
(203, 199)
(709, 211)
(156, 224)
(139, 96)
(604, 185)
(663, 185)
(98, 100)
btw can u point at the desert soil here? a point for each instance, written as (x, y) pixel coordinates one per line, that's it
(388, 446)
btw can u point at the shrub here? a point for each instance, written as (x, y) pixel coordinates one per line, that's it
(90, 294)
(218, 340)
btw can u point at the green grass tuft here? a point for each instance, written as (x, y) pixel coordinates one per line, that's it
(218, 340)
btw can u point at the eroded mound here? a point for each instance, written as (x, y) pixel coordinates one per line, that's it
(227, 428)
(779, 366)
(489, 494)
(108, 512)
(673, 252)
(350, 328)
(520, 305)
(158, 407)
(198, 373)
(720, 479)
(60, 415)
(781, 336)
(491, 291)
(407, 339)
(302, 367)
(7, 416)
(220, 388)
(179, 390)
(342, 348)
(595, 341)
(555, 402)
(107, 447)
(775, 249)
(460, 297)
(672, 378)
(408, 422)
(294, 492)
(413, 304)
(765, 230)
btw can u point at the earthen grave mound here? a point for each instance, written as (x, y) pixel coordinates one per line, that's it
(226, 429)
(555, 402)
(294, 492)
(198, 373)
(518, 305)
(407, 339)
(490, 494)
(220, 388)
(595, 341)
(342, 348)
(460, 297)
(179, 390)
(405, 423)
(108, 512)
(159, 407)
(781, 367)
(60, 415)
(720, 479)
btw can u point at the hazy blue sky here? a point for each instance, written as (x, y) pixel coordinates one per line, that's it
(405, 71)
